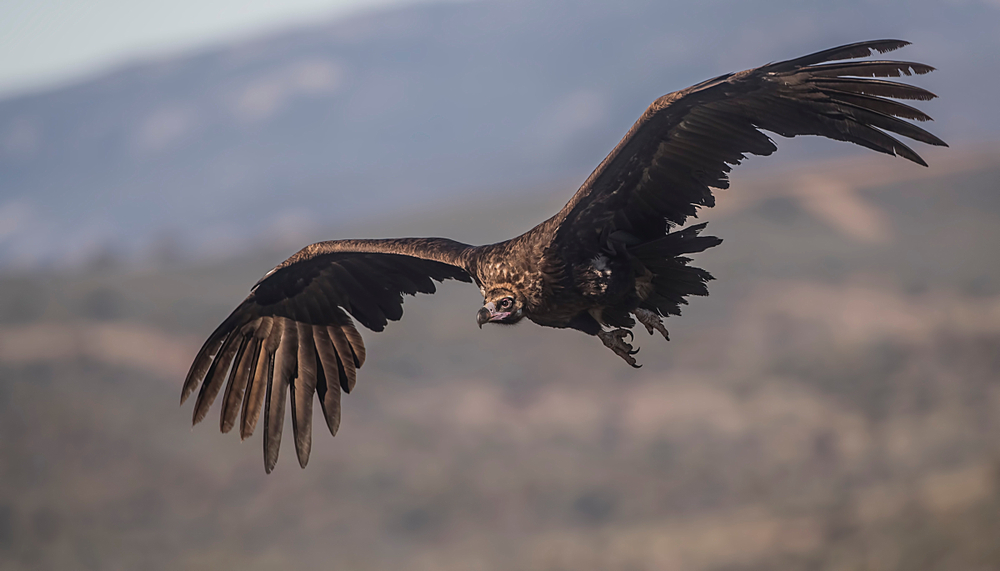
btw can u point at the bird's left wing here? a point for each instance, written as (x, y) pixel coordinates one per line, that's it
(292, 334)
(685, 142)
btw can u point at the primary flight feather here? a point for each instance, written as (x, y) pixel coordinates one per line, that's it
(612, 256)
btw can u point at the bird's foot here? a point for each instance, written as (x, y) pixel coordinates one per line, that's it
(615, 340)
(651, 321)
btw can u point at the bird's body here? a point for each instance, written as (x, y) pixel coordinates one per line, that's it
(614, 255)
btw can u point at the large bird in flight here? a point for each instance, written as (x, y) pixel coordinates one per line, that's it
(614, 255)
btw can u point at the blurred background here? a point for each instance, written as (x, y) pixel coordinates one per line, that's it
(834, 405)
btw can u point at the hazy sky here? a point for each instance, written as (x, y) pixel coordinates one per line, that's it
(47, 42)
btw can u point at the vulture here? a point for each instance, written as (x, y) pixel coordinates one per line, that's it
(616, 254)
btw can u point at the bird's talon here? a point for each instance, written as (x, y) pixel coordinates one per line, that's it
(652, 321)
(615, 340)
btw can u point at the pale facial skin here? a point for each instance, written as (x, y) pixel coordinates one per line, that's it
(501, 307)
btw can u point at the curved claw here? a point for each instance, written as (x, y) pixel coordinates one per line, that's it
(629, 333)
(635, 366)
(615, 340)
(651, 321)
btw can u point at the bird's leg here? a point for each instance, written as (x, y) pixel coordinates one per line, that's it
(652, 321)
(615, 340)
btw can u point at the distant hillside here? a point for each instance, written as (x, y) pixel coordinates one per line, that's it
(833, 404)
(410, 107)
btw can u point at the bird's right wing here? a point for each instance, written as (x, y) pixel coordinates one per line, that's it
(292, 334)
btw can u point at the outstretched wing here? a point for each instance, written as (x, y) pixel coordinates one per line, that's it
(293, 335)
(686, 142)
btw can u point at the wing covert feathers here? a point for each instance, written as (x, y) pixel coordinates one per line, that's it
(293, 338)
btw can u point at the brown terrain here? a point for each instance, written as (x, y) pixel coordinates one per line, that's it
(834, 405)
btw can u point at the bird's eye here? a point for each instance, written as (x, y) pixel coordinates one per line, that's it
(506, 302)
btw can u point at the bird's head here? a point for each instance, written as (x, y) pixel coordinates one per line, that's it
(500, 305)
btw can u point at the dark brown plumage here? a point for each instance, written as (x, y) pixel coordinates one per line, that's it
(610, 257)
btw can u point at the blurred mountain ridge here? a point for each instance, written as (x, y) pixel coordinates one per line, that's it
(409, 108)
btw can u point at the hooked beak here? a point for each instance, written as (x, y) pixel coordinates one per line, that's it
(483, 316)
(488, 313)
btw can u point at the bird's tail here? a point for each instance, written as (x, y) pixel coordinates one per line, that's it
(672, 278)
